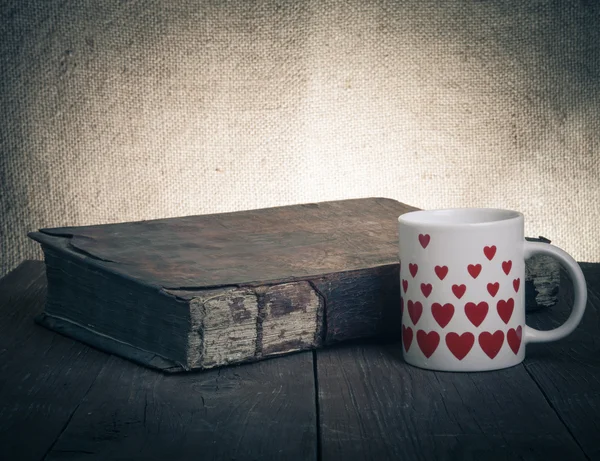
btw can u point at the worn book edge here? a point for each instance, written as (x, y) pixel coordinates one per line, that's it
(107, 344)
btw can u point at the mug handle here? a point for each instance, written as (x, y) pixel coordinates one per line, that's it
(580, 288)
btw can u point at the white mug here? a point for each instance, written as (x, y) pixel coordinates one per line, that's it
(462, 288)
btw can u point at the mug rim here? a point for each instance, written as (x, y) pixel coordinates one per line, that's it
(460, 217)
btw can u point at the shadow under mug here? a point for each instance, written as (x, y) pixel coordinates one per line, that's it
(462, 282)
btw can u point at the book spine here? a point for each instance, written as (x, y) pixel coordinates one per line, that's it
(240, 324)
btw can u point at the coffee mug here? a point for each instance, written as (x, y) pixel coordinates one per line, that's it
(462, 288)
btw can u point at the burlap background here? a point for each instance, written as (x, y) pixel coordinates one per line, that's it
(128, 110)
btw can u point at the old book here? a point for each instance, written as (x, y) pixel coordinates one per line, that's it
(197, 292)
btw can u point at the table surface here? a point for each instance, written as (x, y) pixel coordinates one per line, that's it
(60, 399)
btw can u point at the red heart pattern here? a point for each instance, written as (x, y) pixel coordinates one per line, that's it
(413, 269)
(460, 345)
(516, 283)
(513, 338)
(491, 343)
(476, 313)
(441, 271)
(407, 337)
(474, 270)
(428, 342)
(493, 288)
(442, 314)
(459, 290)
(426, 289)
(489, 252)
(414, 311)
(505, 309)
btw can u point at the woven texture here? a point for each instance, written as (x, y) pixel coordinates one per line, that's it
(118, 111)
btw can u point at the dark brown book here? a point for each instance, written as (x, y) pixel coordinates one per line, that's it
(197, 292)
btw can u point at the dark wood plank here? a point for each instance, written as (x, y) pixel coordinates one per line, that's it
(256, 411)
(375, 407)
(44, 375)
(568, 371)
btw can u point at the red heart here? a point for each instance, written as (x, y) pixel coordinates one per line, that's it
(506, 266)
(491, 343)
(459, 290)
(413, 268)
(424, 240)
(460, 345)
(442, 314)
(415, 310)
(407, 337)
(516, 283)
(426, 289)
(428, 342)
(476, 313)
(405, 285)
(474, 270)
(493, 288)
(489, 252)
(505, 309)
(513, 337)
(441, 271)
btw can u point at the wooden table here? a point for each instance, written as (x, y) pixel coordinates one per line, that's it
(62, 400)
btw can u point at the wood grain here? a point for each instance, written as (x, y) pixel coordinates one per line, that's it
(62, 400)
(44, 376)
(568, 371)
(375, 407)
(258, 411)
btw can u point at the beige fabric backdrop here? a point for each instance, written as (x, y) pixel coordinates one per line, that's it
(127, 110)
